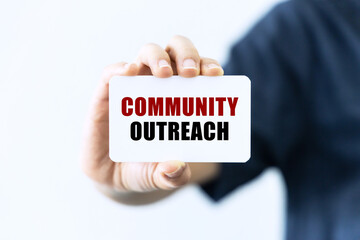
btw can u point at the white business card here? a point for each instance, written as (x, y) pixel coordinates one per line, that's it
(201, 119)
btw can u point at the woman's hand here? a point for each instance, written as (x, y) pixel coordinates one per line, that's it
(180, 57)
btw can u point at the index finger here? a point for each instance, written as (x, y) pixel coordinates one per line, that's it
(183, 52)
(117, 69)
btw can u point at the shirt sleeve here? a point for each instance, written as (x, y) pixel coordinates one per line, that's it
(273, 55)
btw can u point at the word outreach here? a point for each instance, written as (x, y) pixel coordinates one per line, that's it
(177, 107)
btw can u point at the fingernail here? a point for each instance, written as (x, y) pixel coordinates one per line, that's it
(163, 63)
(213, 65)
(177, 171)
(189, 64)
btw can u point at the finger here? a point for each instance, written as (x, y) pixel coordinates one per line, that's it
(144, 70)
(183, 52)
(145, 177)
(171, 174)
(137, 177)
(210, 67)
(117, 69)
(155, 58)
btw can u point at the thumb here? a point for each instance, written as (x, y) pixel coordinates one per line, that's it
(171, 174)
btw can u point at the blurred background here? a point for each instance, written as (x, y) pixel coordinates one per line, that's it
(51, 56)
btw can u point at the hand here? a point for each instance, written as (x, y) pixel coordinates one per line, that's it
(180, 57)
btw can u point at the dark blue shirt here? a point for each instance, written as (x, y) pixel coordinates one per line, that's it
(304, 62)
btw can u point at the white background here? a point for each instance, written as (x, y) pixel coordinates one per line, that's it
(51, 56)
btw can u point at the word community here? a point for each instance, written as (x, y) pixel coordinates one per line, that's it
(174, 106)
(179, 106)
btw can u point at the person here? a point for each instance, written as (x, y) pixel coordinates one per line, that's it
(303, 59)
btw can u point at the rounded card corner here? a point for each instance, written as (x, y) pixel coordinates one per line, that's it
(111, 158)
(246, 78)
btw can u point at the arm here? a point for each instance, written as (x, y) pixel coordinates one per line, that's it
(141, 183)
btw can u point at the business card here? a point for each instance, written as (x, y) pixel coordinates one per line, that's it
(200, 119)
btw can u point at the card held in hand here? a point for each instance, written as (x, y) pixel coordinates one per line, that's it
(200, 119)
